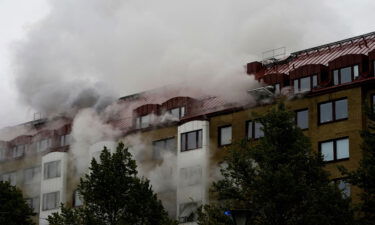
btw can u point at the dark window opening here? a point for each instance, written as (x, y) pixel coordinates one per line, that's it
(345, 74)
(191, 140)
(254, 130)
(334, 150)
(333, 111)
(225, 135)
(305, 83)
(160, 147)
(302, 118)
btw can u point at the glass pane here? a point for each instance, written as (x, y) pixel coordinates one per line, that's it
(28, 175)
(305, 84)
(315, 81)
(171, 144)
(335, 77)
(295, 84)
(342, 148)
(325, 110)
(192, 140)
(277, 88)
(175, 113)
(258, 130)
(346, 75)
(182, 112)
(356, 71)
(327, 150)
(145, 121)
(341, 109)
(249, 130)
(303, 119)
(199, 139)
(158, 147)
(183, 142)
(225, 135)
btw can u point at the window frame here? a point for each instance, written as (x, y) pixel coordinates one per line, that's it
(219, 135)
(252, 130)
(46, 172)
(311, 83)
(165, 143)
(181, 111)
(333, 111)
(185, 148)
(44, 200)
(372, 101)
(334, 149)
(308, 118)
(353, 78)
(75, 196)
(35, 171)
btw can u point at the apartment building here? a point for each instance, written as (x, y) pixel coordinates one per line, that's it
(185, 137)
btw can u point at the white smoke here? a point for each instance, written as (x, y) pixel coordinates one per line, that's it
(88, 52)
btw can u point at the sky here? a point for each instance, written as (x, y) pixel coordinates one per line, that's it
(56, 55)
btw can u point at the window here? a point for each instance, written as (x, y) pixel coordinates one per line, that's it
(225, 135)
(302, 118)
(33, 203)
(18, 151)
(30, 174)
(10, 177)
(254, 130)
(2, 154)
(177, 113)
(187, 212)
(43, 145)
(277, 88)
(162, 146)
(65, 140)
(52, 169)
(305, 83)
(77, 201)
(345, 75)
(51, 200)
(373, 102)
(190, 176)
(335, 150)
(191, 140)
(144, 121)
(333, 111)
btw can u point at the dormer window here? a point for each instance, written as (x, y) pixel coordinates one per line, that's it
(143, 121)
(18, 151)
(345, 74)
(178, 112)
(305, 83)
(43, 145)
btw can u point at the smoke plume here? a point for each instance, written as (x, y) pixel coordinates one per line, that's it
(86, 53)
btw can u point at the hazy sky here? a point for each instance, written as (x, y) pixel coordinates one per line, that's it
(55, 53)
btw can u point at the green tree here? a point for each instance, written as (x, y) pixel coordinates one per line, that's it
(13, 208)
(113, 194)
(279, 179)
(364, 176)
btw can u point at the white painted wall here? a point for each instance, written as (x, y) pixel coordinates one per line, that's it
(193, 159)
(53, 184)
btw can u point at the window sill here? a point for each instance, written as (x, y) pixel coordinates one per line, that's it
(333, 121)
(336, 161)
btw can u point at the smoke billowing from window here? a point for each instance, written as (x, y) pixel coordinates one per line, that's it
(86, 53)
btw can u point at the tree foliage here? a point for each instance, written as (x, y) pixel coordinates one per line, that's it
(364, 176)
(13, 208)
(113, 194)
(279, 179)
